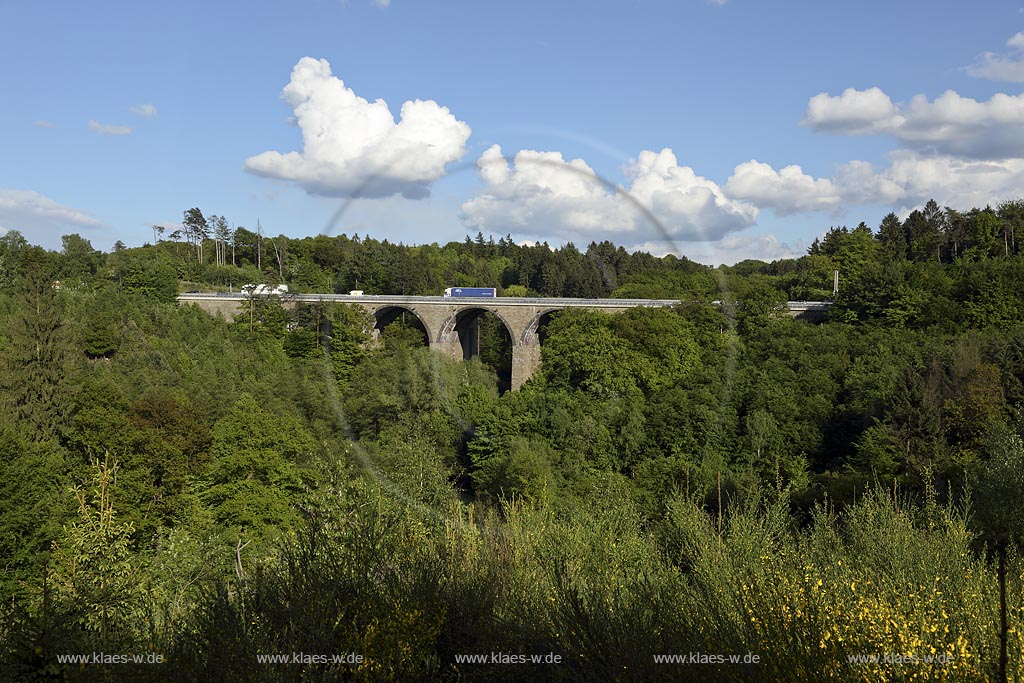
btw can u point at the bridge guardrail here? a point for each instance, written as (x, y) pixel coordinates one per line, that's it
(481, 302)
(385, 298)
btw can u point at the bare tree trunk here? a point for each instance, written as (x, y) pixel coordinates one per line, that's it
(259, 246)
(239, 570)
(277, 253)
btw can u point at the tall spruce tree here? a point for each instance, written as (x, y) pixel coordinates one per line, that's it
(893, 237)
(35, 360)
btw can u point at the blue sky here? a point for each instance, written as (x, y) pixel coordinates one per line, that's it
(672, 126)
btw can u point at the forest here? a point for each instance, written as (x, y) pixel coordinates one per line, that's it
(711, 479)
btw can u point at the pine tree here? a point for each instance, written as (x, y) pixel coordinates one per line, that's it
(196, 229)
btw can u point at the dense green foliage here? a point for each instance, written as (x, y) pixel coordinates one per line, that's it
(714, 477)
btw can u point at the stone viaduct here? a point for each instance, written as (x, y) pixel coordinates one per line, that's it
(451, 322)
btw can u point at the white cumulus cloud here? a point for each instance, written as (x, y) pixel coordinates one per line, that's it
(786, 191)
(728, 250)
(353, 147)
(950, 124)
(689, 206)
(1007, 66)
(954, 182)
(40, 219)
(855, 112)
(105, 129)
(146, 111)
(955, 149)
(859, 182)
(544, 195)
(910, 179)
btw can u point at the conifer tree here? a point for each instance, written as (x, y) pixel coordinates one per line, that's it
(35, 360)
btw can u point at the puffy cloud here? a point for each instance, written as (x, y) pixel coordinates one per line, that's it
(858, 182)
(950, 124)
(543, 194)
(728, 250)
(352, 147)
(146, 111)
(1008, 66)
(689, 206)
(104, 129)
(40, 219)
(910, 179)
(786, 191)
(855, 112)
(961, 126)
(952, 181)
(960, 151)
(533, 243)
(382, 3)
(44, 124)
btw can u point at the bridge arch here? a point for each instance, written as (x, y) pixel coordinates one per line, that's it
(463, 317)
(463, 329)
(386, 315)
(532, 332)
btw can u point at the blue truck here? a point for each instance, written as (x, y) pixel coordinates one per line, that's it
(476, 292)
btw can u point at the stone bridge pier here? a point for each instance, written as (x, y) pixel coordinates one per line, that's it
(452, 328)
